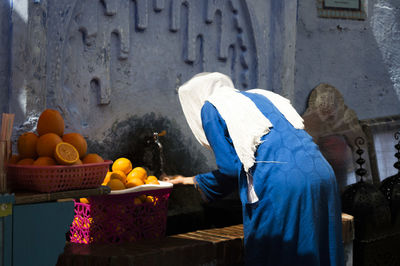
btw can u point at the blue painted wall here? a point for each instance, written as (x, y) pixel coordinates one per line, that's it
(112, 67)
(5, 35)
(361, 58)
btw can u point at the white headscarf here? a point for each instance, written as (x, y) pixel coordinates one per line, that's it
(245, 122)
(194, 93)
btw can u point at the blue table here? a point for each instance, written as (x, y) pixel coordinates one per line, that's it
(34, 225)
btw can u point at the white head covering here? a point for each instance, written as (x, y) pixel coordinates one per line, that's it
(194, 93)
(245, 122)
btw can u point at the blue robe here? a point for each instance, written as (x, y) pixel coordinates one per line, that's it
(297, 220)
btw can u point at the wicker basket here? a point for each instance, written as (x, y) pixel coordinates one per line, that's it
(57, 177)
(117, 218)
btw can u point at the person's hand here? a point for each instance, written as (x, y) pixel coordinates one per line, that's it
(178, 179)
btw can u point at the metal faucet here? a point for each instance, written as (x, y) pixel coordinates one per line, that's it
(156, 140)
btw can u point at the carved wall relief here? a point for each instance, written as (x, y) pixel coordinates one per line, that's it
(124, 57)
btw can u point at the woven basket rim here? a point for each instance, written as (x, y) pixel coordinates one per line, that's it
(50, 167)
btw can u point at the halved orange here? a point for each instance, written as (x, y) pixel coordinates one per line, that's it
(66, 153)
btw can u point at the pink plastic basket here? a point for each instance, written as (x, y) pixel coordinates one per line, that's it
(119, 218)
(57, 177)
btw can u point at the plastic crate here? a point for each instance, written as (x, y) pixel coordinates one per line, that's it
(117, 218)
(57, 177)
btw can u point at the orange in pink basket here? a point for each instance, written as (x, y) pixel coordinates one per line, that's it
(78, 162)
(137, 201)
(14, 159)
(118, 174)
(78, 141)
(26, 161)
(134, 182)
(152, 180)
(116, 184)
(84, 200)
(92, 158)
(27, 145)
(122, 164)
(50, 121)
(47, 143)
(66, 153)
(44, 161)
(106, 179)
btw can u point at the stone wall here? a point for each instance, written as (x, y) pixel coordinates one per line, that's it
(361, 58)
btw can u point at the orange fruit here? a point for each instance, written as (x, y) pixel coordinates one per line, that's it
(138, 172)
(78, 141)
(92, 158)
(27, 145)
(84, 200)
(26, 161)
(149, 199)
(152, 180)
(78, 162)
(106, 179)
(118, 175)
(134, 182)
(142, 197)
(46, 144)
(66, 154)
(137, 201)
(44, 161)
(122, 164)
(50, 121)
(116, 184)
(14, 159)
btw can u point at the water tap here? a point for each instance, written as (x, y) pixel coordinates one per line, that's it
(155, 140)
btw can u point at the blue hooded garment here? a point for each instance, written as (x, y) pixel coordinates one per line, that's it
(297, 220)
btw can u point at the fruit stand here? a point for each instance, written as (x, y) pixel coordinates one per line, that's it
(56, 192)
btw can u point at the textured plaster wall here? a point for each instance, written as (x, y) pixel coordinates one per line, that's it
(112, 67)
(360, 58)
(110, 79)
(4, 53)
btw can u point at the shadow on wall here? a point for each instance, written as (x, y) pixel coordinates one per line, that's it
(129, 138)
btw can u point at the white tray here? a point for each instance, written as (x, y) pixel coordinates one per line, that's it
(145, 187)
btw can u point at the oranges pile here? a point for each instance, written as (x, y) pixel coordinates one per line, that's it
(51, 145)
(123, 175)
